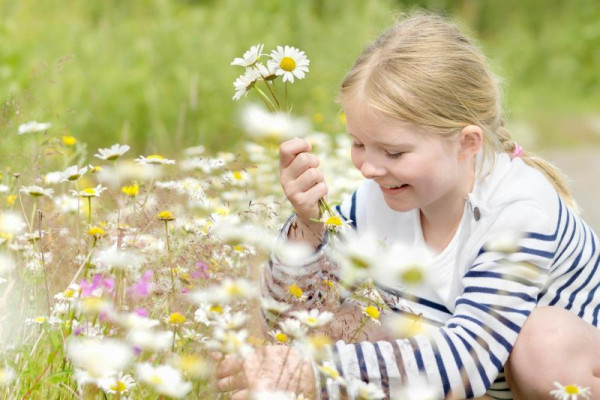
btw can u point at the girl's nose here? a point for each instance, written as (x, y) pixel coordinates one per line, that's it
(370, 170)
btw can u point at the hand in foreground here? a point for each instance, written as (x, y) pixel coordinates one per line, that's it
(268, 368)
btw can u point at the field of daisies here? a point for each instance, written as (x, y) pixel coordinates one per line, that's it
(121, 272)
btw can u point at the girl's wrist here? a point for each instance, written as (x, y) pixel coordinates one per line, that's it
(308, 231)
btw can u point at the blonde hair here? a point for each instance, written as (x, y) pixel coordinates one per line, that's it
(423, 70)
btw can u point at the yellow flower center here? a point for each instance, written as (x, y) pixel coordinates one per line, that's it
(330, 371)
(131, 190)
(118, 386)
(358, 262)
(10, 200)
(237, 175)
(155, 380)
(95, 231)
(69, 293)
(155, 157)
(216, 309)
(571, 389)
(295, 290)
(89, 191)
(166, 216)
(222, 211)
(176, 319)
(412, 275)
(238, 248)
(334, 221)
(328, 283)
(40, 320)
(68, 140)
(287, 64)
(281, 337)
(311, 320)
(234, 290)
(372, 312)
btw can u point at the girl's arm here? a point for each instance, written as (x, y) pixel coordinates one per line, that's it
(466, 355)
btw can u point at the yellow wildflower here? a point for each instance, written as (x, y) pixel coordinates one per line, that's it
(96, 231)
(131, 190)
(166, 216)
(371, 312)
(69, 140)
(10, 199)
(295, 291)
(176, 318)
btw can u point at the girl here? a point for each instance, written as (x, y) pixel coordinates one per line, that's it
(441, 172)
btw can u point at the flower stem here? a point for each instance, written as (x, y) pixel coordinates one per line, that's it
(273, 94)
(267, 101)
(362, 325)
(89, 211)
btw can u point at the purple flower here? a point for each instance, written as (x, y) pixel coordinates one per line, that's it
(142, 287)
(201, 272)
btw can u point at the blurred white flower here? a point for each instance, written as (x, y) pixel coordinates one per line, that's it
(73, 173)
(230, 342)
(66, 204)
(250, 57)
(313, 318)
(146, 339)
(419, 389)
(99, 358)
(365, 391)
(120, 384)
(135, 321)
(36, 191)
(112, 257)
(274, 306)
(112, 153)
(164, 379)
(89, 192)
(7, 374)
(33, 126)
(293, 327)
(289, 62)
(53, 177)
(260, 123)
(291, 253)
(154, 159)
(228, 291)
(506, 242)
(11, 222)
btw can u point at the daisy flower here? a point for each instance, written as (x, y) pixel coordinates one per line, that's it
(112, 153)
(312, 318)
(120, 384)
(153, 159)
(72, 173)
(289, 62)
(164, 379)
(366, 391)
(570, 392)
(36, 191)
(329, 370)
(293, 327)
(373, 313)
(250, 57)
(89, 192)
(99, 358)
(245, 82)
(154, 341)
(7, 374)
(280, 337)
(33, 126)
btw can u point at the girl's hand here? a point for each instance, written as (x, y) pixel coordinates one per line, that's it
(268, 368)
(303, 184)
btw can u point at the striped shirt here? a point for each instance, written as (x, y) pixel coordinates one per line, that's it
(481, 297)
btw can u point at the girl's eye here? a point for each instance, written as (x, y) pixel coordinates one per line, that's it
(357, 145)
(394, 155)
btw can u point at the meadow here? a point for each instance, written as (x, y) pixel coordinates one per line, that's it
(122, 268)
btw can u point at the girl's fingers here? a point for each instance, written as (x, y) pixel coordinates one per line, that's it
(299, 164)
(231, 383)
(231, 365)
(307, 180)
(241, 395)
(289, 149)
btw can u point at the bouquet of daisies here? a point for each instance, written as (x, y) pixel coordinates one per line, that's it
(286, 61)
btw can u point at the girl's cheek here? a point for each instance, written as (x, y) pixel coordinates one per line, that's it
(357, 158)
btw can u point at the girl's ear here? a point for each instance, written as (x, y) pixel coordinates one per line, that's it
(471, 141)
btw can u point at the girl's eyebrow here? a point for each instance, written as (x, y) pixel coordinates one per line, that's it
(386, 144)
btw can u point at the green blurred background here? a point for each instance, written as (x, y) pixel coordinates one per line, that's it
(155, 73)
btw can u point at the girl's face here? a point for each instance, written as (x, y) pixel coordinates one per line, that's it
(413, 167)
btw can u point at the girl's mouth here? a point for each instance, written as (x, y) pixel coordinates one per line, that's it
(394, 189)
